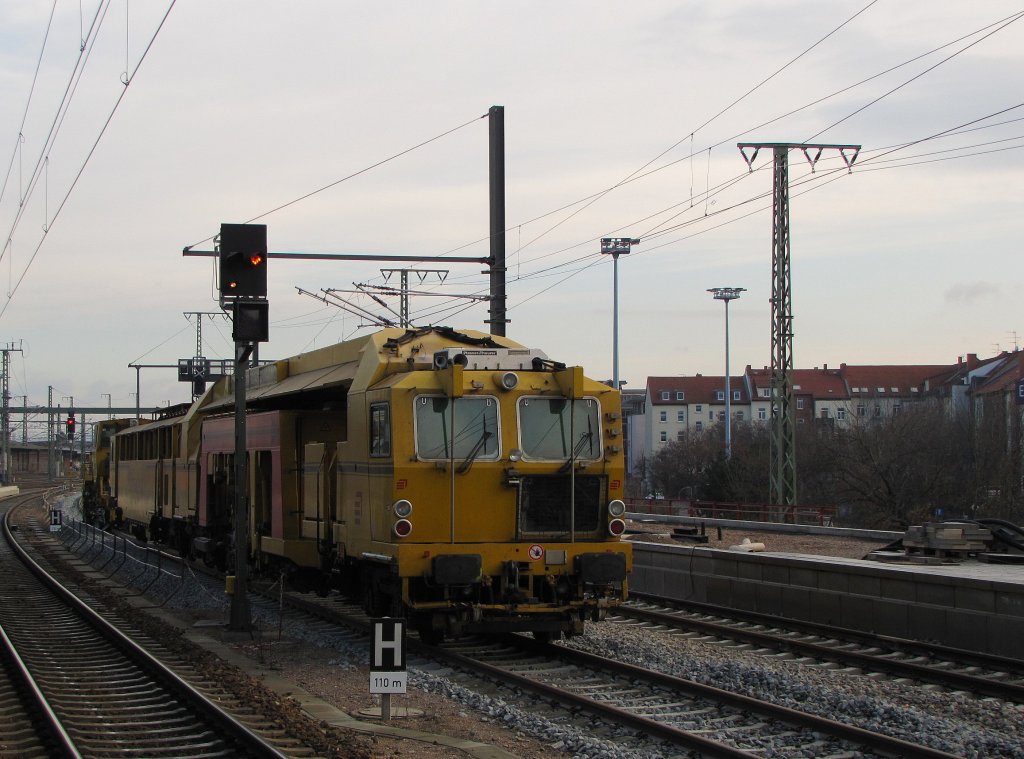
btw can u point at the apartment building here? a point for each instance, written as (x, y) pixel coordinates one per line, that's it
(675, 406)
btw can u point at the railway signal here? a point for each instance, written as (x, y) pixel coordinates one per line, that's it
(243, 260)
(69, 426)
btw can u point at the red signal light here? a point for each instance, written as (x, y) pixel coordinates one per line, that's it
(256, 259)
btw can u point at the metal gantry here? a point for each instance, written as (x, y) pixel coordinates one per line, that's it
(783, 437)
(5, 418)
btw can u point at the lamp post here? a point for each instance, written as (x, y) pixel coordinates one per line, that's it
(615, 247)
(727, 294)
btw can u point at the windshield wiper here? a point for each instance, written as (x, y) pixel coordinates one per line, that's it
(585, 437)
(468, 461)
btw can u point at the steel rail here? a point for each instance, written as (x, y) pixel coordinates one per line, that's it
(242, 736)
(920, 672)
(860, 736)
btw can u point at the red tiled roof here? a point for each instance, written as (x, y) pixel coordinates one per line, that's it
(1004, 378)
(699, 389)
(820, 384)
(890, 380)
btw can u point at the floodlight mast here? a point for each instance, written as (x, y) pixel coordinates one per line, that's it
(615, 247)
(727, 294)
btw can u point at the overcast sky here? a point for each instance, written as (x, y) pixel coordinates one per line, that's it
(234, 109)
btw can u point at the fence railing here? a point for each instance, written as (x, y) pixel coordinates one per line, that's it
(150, 564)
(823, 516)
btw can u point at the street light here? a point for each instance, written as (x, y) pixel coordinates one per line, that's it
(727, 294)
(615, 247)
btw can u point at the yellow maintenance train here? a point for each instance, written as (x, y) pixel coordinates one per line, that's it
(456, 478)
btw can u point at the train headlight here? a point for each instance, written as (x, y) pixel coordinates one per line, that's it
(402, 528)
(616, 527)
(616, 508)
(506, 380)
(515, 455)
(402, 508)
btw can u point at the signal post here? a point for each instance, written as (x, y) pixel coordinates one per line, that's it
(243, 290)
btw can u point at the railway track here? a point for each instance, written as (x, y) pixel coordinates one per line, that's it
(682, 713)
(953, 669)
(84, 688)
(634, 708)
(637, 707)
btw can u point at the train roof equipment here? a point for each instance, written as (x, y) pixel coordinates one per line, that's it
(314, 379)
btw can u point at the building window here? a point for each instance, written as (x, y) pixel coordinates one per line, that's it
(800, 404)
(680, 395)
(681, 436)
(711, 415)
(762, 414)
(878, 410)
(664, 436)
(665, 395)
(680, 416)
(735, 395)
(895, 409)
(699, 426)
(766, 392)
(860, 409)
(720, 395)
(721, 416)
(700, 409)
(840, 413)
(824, 413)
(664, 416)
(739, 416)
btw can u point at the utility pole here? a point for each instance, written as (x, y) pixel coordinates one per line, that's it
(496, 133)
(49, 435)
(783, 437)
(24, 419)
(5, 418)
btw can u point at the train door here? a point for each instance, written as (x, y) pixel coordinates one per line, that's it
(318, 510)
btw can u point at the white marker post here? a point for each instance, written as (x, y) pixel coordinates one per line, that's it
(387, 667)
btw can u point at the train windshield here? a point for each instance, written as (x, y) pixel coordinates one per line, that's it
(549, 431)
(466, 429)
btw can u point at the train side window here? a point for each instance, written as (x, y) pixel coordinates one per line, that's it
(380, 429)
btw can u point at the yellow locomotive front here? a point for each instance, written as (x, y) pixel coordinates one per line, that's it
(490, 496)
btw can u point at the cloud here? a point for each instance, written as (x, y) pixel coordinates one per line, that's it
(967, 293)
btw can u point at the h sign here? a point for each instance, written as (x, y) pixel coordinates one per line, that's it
(387, 665)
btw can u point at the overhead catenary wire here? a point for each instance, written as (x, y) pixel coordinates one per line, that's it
(58, 120)
(88, 157)
(985, 29)
(354, 174)
(28, 101)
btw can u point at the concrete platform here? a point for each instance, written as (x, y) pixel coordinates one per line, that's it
(970, 605)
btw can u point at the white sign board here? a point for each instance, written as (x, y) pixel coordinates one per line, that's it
(387, 665)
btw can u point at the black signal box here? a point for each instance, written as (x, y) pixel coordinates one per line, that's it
(243, 260)
(251, 321)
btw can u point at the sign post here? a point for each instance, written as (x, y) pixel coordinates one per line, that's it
(387, 666)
